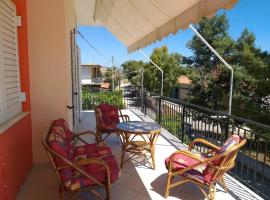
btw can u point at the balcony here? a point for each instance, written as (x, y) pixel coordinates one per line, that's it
(181, 122)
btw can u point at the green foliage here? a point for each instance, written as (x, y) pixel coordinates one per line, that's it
(172, 123)
(215, 31)
(110, 73)
(251, 71)
(169, 63)
(92, 99)
(131, 69)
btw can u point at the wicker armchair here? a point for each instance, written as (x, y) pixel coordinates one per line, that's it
(79, 167)
(203, 169)
(107, 117)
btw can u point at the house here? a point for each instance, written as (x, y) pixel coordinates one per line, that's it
(39, 69)
(182, 91)
(91, 74)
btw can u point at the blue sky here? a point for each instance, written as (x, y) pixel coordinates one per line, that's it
(254, 15)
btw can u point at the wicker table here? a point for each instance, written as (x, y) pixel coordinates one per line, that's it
(138, 138)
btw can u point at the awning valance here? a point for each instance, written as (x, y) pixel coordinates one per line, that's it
(138, 23)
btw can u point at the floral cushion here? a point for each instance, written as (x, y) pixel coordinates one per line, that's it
(60, 140)
(108, 116)
(91, 150)
(182, 161)
(58, 143)
(97, 172)
(210, 169)
(229, 143)
(195, 175)
(60, 127)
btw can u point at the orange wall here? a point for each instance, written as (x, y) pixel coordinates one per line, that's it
(16, 142)
(16, 153)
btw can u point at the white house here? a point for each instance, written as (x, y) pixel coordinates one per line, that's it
(91, 74)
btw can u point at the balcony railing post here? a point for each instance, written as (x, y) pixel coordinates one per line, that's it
(183, 123)
(145, 102)
(227, 124)
(159, 110)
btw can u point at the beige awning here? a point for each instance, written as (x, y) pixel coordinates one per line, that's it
(138, 23)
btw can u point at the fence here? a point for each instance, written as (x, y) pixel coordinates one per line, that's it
(187, 122)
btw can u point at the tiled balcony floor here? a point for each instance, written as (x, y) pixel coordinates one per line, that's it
(137, 181)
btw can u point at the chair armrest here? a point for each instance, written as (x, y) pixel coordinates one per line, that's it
(202, 141)
(125, 118)
(85, 133)
(77, 166)
(78, 135)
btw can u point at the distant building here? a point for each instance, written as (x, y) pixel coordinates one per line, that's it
(91, 74)
(182, 91)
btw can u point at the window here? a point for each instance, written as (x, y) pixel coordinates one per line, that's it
(10, 104)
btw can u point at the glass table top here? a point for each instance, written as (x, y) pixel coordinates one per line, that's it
(138, 126)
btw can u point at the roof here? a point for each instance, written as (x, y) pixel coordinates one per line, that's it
(183, 79)
(105, 85)
(91, 65)
(138, 23)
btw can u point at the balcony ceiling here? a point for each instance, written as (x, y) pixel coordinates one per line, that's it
(138, 23)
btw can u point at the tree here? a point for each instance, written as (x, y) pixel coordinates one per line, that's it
(109, 74)
(132, 70)
(251, 71)
(170, 63)
(211, 88)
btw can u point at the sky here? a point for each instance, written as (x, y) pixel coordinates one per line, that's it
(250, 14)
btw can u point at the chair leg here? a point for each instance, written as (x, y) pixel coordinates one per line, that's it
(153, 157)
(108, 191)
(167, 190)
(98, 137)
(62, 195)
(212, 192)
(223, 184)
(122, 157)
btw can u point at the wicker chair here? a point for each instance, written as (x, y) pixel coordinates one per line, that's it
(82, 167)
(107, 117)
(203, 169)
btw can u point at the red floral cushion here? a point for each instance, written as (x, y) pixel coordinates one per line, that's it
(96, 171)
(210, 170)
(60, 126)
(108, 115)
(182, 161)
(91, 150)
(57, 143)
(60, 140)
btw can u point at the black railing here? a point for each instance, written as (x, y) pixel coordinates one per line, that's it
(188, 121)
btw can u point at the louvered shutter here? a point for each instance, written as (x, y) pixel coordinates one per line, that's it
(10, 104)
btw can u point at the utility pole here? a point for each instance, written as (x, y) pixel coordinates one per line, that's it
(142, 100)
(112, 75)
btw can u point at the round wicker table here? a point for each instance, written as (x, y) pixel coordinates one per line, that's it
(138, 138)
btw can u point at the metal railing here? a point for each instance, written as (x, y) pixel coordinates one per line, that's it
(188, 121)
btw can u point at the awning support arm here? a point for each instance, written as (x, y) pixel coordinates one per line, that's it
(162, 72)
(222, 60)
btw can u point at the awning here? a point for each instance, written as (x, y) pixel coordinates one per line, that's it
(138, 23)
